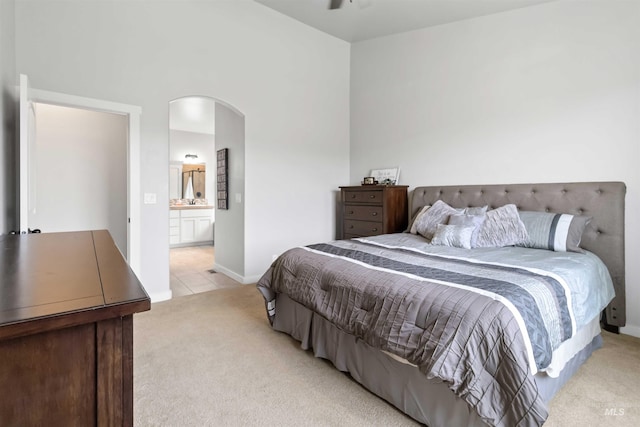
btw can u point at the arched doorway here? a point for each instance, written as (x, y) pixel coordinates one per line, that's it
(206, 237)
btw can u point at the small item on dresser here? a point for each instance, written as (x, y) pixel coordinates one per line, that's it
(387, 176)
(369, 180)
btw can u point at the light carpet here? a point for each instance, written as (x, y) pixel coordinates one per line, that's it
(211, 359)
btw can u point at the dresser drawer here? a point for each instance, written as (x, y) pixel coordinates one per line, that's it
(362, 228)
(363, 196)
(363, 212)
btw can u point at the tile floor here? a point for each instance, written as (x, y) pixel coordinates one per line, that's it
(189, 271)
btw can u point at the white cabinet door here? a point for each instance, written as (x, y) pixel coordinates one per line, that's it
(204, 229)
(195, 226)
(188, 230)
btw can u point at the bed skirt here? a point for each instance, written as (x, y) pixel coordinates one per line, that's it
(401, 384)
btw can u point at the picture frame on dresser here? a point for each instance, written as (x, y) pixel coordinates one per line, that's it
(388, 176)
(369, 180)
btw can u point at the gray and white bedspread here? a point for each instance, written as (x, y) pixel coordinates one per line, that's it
(482, 320)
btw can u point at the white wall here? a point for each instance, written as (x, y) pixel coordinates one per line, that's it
(183, 142)
(80, 160)
(549, 93)
(8, 203)
(230, 237)
(290, 81)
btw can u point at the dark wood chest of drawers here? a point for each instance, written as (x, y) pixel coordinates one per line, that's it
(66, 330)
(373, 210)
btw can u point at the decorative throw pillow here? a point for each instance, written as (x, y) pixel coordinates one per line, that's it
(502, 227)
(458, 236)
(474, 221)
(413, 227)
(480, 210)
(437, 214)
(553, 231)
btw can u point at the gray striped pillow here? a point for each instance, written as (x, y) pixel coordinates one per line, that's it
(554, 231)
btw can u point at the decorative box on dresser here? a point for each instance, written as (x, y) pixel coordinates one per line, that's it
(369, 210)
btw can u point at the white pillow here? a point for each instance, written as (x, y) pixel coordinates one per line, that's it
(458, 236)
(474, 221)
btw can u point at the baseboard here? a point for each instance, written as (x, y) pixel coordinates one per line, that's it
(632, 330)
(251, 279)
(161, 296)
(190, 244)
(245, 280)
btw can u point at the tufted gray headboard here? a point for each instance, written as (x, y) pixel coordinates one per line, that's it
(603, 201)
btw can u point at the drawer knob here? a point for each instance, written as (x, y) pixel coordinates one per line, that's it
(373, 196)
(374, 229)
(351, 226)
(353, 196)
(374, 213)
(350, 212)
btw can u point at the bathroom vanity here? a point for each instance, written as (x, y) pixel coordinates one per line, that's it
(190, 225)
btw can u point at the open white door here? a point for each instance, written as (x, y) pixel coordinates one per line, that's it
(29, 97)
(27, 139)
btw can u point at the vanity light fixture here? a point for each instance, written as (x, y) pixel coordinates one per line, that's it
(190, 158)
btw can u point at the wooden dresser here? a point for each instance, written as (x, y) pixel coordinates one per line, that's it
(369, 210)
(66, 330)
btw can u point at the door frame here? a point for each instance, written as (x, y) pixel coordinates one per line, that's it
(133, 113)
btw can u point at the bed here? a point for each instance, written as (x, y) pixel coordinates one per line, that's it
(458, 336)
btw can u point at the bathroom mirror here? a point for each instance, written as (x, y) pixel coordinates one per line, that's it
(193, 175)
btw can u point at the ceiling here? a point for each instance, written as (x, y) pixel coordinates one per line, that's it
(359, 20)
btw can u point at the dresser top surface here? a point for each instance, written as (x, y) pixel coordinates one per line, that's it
(49, 274)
